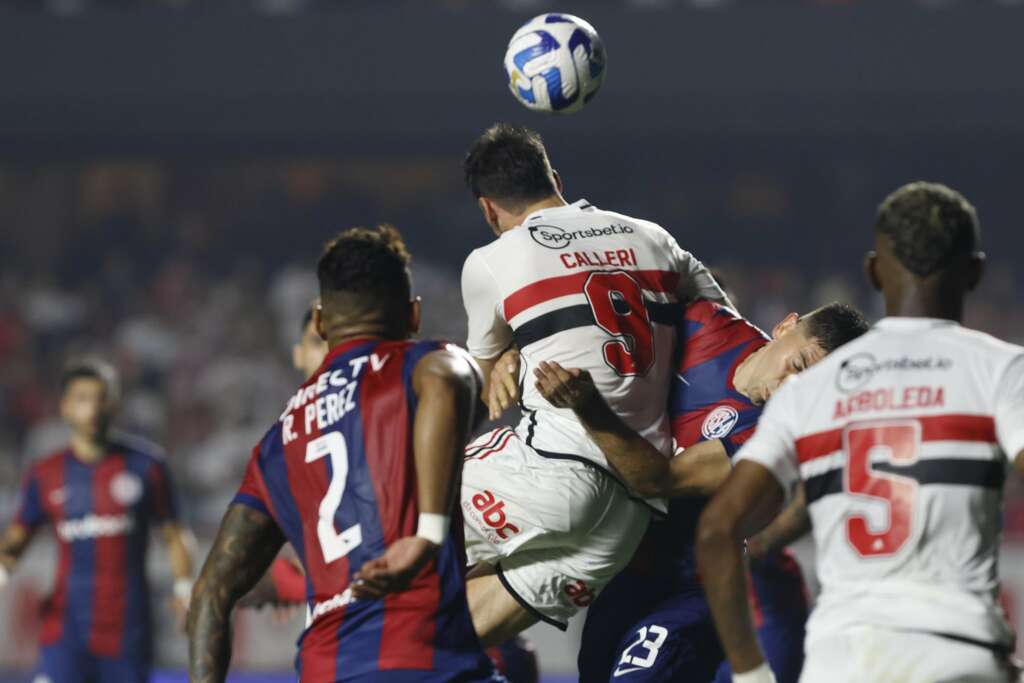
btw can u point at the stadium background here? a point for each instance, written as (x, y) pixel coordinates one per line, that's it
(169, 170)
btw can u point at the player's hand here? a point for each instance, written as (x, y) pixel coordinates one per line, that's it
(393, 571)
(573, 388)
(503, 389)
(179, 607)
(263, 593)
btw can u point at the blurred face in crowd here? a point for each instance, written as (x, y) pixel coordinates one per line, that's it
(790, 351)
(87, 407)
(309, 352)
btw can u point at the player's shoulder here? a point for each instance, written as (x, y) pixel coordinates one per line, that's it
(443, 358)
(138, 447)
(984, 343)
(51, 460)
(640, 226)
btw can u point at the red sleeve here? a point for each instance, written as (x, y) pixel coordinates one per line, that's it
(163, 505)
(289, 581)
(252, 493)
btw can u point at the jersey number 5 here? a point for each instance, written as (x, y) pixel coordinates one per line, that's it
(620, 310)
(896, 443)
(334, 545)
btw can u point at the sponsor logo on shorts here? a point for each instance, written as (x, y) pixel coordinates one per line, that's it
(580, 593)
(554, 237)
(719, 422)
(491, 512)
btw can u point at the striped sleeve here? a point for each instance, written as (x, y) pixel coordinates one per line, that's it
(31, 513)
(163, 506)
(253, 493)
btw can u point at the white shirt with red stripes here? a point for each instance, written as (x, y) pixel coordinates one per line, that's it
(901, 438)
(588, 289)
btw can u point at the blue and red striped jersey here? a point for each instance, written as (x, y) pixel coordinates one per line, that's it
(704, 405)
(101, 514)
(337, 474)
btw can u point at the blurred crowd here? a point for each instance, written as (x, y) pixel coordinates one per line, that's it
(194, 282)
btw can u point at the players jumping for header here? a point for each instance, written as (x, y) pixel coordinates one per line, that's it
(901, 439)
(547, 521)
(359, 475)
(652, 622)
(102, 494)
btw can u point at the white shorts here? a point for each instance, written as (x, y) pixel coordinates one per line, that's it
(880, 655)
(557, 530)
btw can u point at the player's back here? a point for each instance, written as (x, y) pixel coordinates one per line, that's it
(899, 442)
(338, 474)
(588, 289)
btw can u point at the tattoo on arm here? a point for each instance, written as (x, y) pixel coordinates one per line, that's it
(245, 546)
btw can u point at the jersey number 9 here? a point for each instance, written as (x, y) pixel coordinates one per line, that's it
(620, 309)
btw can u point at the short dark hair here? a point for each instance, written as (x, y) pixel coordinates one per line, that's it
(834, 325)
(929, 225)
(509, 164)
(91, 368)
(368, 265)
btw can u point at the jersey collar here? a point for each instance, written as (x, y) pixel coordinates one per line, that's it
(556, 211)
(897, 323)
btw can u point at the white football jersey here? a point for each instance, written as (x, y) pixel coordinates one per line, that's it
(588, 289)
(901, 438)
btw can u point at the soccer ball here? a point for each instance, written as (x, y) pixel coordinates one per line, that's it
(555, 63)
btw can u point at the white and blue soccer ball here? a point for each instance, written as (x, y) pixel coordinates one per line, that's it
(555, 63)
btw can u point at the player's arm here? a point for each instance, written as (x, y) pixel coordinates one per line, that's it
(1009, 412)
(447, 385)
(489, 334)
(696, 282)
(18, 534)
(697, 471)
(748, 500)
(13, 543)
(791, 524)
(246, 544)
(179, 543)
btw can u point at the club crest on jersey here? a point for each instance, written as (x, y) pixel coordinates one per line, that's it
(126, 488)
(719, 422)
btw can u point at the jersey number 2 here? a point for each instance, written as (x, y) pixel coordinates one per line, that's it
(334, 545)
(620, 310)
(897, 443)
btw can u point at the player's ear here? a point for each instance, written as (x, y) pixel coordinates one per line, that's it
(871, 270)
(975, 270)
(785, 325)
(415, 315)
(318, 321)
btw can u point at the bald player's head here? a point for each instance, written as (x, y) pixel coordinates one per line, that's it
(365, 285)
(927, 243)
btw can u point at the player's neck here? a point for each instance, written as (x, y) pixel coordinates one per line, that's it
(88, 449)
(342, 335)
(743, 376)
(552, 202)
(925, 302)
